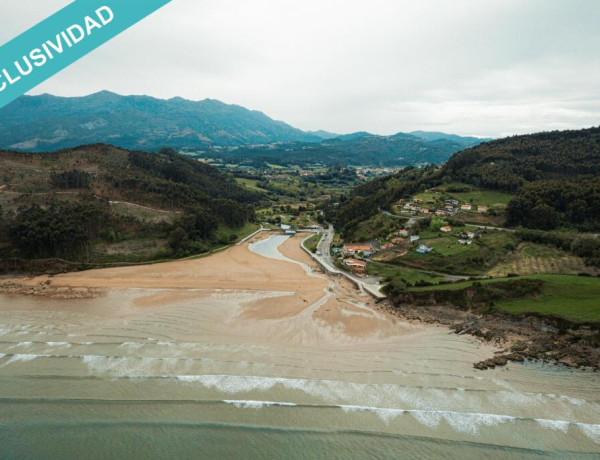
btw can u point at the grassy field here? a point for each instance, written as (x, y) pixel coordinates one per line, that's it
(404, 273)
(484, 197)
(312, 243)
(448, 247)
(482, 219)
(428, 196)
(531, 259)
(489, 249)
(572, 297)
(250, 184)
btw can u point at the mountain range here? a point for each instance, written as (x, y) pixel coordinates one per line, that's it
(45, 123)
(357, 149)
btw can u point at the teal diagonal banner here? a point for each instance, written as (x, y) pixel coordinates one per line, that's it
(63, 38)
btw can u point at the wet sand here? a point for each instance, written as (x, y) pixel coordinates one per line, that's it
(292, 290)
(252, 343)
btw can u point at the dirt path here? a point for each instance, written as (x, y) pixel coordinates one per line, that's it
(112, 203)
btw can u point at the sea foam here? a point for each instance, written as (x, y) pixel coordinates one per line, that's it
(20, 358)
(240, 404)
(591, 431)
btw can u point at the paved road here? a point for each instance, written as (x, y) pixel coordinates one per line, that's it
(369, 284)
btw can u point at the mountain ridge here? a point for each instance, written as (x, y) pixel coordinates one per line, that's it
(47, 122)
(139, 122)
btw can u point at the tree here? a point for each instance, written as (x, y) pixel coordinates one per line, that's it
(178, 239)
(436, 224)
(586, 246)
(544, 217)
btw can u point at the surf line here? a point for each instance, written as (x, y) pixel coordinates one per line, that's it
(47, 51)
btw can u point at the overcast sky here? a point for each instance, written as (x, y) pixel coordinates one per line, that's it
(480, 67)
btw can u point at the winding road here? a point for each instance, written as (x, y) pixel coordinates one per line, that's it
(369, 284)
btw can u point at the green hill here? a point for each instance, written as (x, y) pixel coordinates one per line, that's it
(507, 164)
(554, 179)
(99, 203)
(555, 176)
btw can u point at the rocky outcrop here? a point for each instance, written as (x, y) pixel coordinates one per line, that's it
(524, 337)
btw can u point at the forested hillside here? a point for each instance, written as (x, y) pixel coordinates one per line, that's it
(100, 203)
(507, 164)
(554, 177)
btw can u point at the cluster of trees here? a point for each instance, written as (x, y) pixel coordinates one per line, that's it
(63, 230)
(176, 181)
(550, 204)
(203, 179)
(193, 231)
(71, 179)
(586, 246)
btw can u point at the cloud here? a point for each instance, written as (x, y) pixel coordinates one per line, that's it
(471, 67)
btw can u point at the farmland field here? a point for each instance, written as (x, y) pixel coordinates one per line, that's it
(571, 297)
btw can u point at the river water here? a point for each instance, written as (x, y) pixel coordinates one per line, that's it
(101, 378)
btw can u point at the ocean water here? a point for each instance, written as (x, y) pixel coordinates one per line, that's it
(99, 378)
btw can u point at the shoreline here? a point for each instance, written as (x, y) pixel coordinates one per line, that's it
(518, 339)
(328, 303)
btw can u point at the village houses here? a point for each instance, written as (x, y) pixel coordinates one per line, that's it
(367, 249)
(355, 265)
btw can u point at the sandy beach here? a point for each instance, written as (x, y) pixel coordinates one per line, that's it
(304, 299)
(253, 342)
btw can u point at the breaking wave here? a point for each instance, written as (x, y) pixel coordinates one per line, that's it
(257, 404)
(461, 422)
(19, 358)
